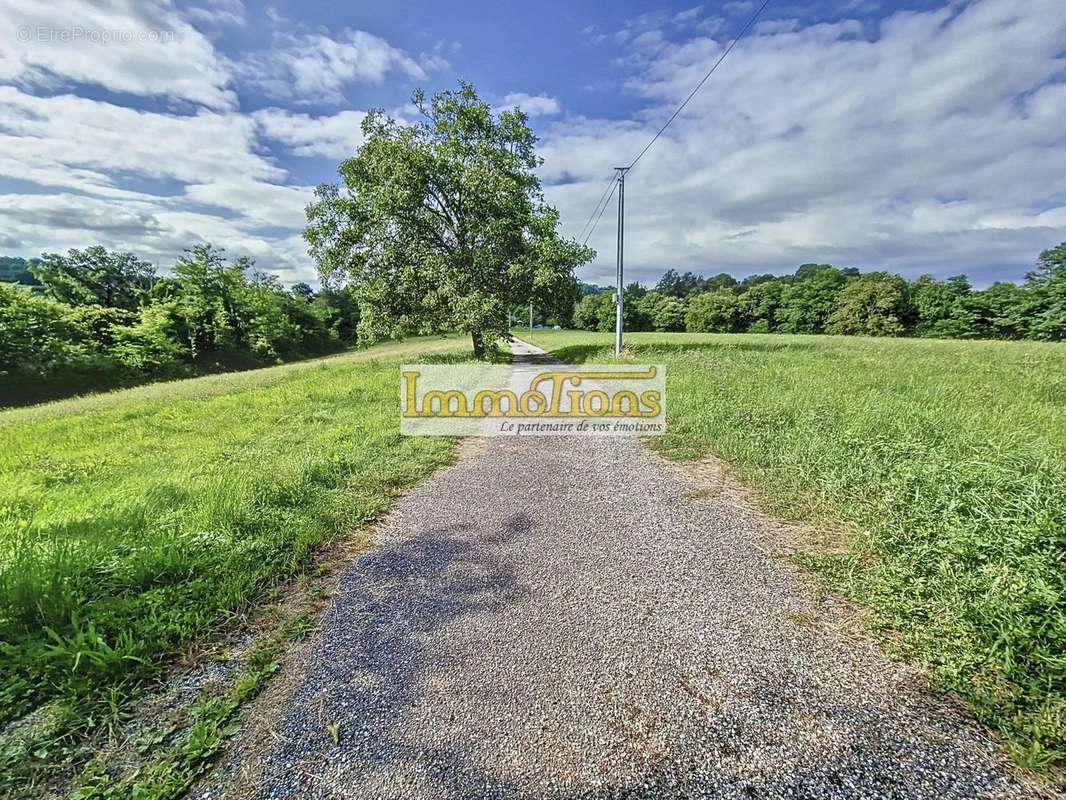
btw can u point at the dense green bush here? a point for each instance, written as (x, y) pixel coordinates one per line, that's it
(36, 333)
(95, 318)
(713, 312)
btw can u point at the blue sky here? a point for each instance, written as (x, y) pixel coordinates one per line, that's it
(913, 136)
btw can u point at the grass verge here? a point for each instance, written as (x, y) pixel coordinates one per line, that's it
(942, 464)
(135, 524)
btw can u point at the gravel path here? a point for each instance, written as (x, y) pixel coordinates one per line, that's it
(565, 618)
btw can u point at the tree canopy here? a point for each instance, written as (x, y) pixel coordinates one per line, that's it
(442, 224)
(822, 298)
(99, 318)
(95, 276)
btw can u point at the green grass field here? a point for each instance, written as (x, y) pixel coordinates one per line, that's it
(134, 523)
(940, 464)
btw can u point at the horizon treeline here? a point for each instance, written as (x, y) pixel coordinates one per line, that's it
(822, 298)
(96, 318)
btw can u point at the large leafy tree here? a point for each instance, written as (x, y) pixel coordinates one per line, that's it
(677, 285)
(999, 311)
(757, 307)
(35, 334)
(943, 309)
(442, 224)
(874, 304)
(593, 310)
(810, 298)
(1046, 308)
(713, 312)
(96, 276)
(14, 269)
(205, 299)
(659, 312)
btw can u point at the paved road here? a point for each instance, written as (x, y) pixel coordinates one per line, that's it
(565, 618)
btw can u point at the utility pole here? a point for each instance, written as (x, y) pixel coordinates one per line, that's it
(618, 298)
(531, 318)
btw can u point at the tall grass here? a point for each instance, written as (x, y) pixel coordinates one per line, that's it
(943, 464)
(132, 524)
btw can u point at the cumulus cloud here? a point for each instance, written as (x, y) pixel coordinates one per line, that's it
(92, 140)
(656, 25)
(149, 181)
(535, 105)
(911, 150)
(688, 14)
(160, 181)
(310, 67)
(336, 136)
(218, 13)
(138, 47)
(153, 228)
(80, 170)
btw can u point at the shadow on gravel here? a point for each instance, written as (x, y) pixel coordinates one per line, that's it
(373, 679)
(369, 663)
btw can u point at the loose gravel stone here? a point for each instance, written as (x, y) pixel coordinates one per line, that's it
(571, 618)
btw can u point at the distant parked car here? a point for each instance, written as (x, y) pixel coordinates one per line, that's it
(557, 327)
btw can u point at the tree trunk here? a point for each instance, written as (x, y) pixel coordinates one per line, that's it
(479, 344)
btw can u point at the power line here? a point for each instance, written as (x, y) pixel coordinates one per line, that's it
(614, 185)
(602, 204)
(699, 85)
(610, 183)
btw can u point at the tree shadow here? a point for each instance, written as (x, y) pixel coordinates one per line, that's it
(369, 663)
(352, 726)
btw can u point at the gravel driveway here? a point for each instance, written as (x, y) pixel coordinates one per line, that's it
(560, 618)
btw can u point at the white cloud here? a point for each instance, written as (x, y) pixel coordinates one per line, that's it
(152, 182)
(315, 67)
(83, 143)
(337, 136)
(688, 14)
(159, 181)
(905, 146)
(739, 7)
(915, 151)
(218, 13)
(139, 47)
(654, 25)
(535, 105)
(155, 230)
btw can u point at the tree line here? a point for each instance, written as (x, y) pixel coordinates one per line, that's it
(101, 317)
(821, 298)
